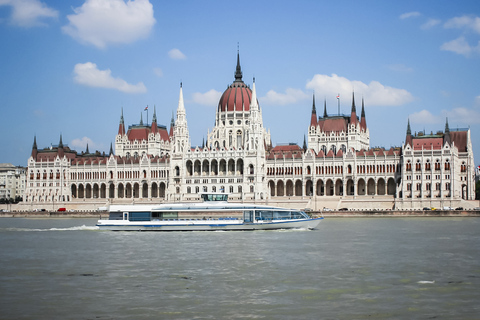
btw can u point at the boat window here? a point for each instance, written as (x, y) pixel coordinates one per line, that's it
(115, 216)
(248, 216)
(214, 197)
(139, 216)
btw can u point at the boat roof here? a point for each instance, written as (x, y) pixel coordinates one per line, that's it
(195, 206)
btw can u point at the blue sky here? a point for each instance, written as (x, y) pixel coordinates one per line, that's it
(69, 67)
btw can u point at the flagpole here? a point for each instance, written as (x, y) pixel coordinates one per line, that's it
(338, 99)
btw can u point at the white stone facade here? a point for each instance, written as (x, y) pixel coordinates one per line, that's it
(337, 168)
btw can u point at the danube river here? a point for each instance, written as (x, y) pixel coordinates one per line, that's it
(349, 268)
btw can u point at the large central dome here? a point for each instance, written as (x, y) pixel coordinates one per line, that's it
(238, 95)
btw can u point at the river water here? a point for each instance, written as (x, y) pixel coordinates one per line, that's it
(348, 268)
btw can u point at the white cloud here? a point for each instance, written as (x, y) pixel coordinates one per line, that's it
(468, 22)
(460, 46)
(81, 144)
(424, 117)
(104, 22)
(29, 13)
(176, 54)
(88, 74)
(410, 15)
(289, 97)
(461, 115)
(430, 24)
(209, 98)
(158, 72)
(464, 116)
(375, 93)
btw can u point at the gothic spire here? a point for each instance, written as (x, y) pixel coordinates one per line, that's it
(363, 109)
(325, 108)
(238, 71)
(34, 148)
(446, 137)
(121, 126)
(60, 144)
(111, 149)
(354, 109)
(154, 119)
(86, 151)
(408, 139)
(313, 119)
(181, 105)
(141, 118)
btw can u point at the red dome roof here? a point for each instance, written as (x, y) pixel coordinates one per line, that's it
(236, 98)
(238, 95)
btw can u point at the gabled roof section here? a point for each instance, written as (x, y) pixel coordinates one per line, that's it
(460, 139)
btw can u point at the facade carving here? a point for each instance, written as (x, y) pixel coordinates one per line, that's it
(151, 163)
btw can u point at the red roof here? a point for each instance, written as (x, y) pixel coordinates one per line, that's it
(427, 143)
(460, 139)
(236, 98)
(141, 133)
(333, 124)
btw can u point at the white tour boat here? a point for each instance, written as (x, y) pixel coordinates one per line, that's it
(214, 213)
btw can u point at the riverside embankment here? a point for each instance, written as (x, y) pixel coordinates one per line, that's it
(327, 214)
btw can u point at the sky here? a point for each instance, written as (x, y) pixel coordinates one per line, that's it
(67, 68)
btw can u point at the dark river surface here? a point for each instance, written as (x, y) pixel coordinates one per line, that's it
(348, 268)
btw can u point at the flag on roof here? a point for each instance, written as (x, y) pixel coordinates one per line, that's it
(146, 108)
(338, 96)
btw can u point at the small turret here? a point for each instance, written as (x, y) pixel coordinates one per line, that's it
(313, 120)
(363, 120)
(408, 139)
(60, 148)
(121, 126)
(447, 138)
(34, 148)
(353, 116)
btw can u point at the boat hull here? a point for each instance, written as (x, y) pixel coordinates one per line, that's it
(206, 225)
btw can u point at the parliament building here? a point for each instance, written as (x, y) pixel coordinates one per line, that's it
(336, 167)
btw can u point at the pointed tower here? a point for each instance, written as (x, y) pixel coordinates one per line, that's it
(408, 139)
(363, 121)
(60, 148)
(86, 151)
(325, 115)
(121, 126)
(238, 70)
(111, 150)
(255, 132)
(353, 116)
(447, 138)
(141, 118)
(34, 148)
(154, 121)
(172, 125)
(180, 130)
(313, 119)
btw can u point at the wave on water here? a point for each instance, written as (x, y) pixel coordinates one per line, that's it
(76, 228)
